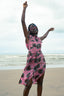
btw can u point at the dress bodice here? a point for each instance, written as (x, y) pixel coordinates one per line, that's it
(34, 44)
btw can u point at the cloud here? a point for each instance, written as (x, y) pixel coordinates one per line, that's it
(45, 13)
(56, 6)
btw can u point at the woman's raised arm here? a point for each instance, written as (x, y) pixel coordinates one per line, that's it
(45, 35)
(23, 21)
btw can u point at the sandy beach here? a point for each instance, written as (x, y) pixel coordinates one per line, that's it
(53, 83)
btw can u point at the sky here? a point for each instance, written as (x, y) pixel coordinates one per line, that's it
(44, 13)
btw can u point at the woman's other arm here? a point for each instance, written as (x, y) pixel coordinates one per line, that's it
(46, 34)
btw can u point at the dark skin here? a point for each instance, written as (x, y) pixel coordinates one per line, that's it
(26, 33)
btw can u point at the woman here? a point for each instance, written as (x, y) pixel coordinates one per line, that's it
(35, 67)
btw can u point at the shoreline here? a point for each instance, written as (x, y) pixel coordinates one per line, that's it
(22, 67)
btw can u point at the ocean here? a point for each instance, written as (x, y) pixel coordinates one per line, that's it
(9, 62)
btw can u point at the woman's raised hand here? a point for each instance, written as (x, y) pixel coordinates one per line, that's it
(25, 4)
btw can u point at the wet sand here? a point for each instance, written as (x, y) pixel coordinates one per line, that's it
(53, 83)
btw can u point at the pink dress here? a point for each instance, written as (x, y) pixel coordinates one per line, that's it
(35, 65)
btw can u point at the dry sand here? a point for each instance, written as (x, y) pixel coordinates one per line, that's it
(53, 83)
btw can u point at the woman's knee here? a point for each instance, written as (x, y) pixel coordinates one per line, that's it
(28, 86)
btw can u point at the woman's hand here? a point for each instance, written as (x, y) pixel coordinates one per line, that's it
(51, 29)
(25, 4)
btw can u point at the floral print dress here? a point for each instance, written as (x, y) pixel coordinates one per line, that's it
(35, 65)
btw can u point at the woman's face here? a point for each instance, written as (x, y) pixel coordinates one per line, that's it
(32, 29)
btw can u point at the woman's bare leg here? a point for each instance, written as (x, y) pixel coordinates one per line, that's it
(40, 86)
(27, 88)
